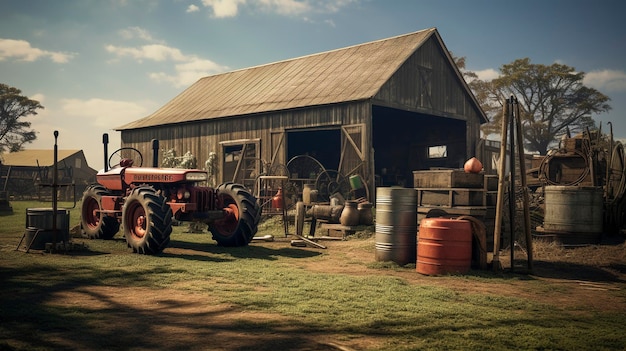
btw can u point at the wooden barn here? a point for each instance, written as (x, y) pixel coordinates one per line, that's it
(25, 174)
(379, 110)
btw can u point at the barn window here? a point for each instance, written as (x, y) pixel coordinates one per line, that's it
(439, 151)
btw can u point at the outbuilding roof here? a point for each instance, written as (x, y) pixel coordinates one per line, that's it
(35, 158)
(349, 74)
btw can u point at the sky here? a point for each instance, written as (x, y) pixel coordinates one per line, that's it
(97, 64)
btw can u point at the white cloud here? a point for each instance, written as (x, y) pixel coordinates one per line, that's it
(22, 50)
(154, 52)
(103, 113)
(230, 8)
(606, 80)
(189, 68)
(224, 8)
(189, 72)
(487, 74)
(81, 123)
(137, 32)
(192, 8)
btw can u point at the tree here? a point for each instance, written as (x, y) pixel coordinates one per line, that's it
(14, 133)
(553, 101)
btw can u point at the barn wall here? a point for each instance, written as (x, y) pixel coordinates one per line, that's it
(203, 137)
(426, 83)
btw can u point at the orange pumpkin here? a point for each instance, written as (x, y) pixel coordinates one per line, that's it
(473, 165)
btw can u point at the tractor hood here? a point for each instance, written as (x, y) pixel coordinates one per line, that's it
(119, 178)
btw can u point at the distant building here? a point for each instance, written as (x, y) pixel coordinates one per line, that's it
(27, 174)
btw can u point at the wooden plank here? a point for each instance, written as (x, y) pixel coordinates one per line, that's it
(450, 197)
(447, 178)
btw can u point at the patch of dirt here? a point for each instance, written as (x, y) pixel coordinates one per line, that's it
(173, 319)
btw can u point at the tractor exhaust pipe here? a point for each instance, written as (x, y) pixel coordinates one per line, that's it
(155, 153)
(105, 141)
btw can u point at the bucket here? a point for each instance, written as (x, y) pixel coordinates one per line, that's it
(355, 182)
(36, 239)
(396, 224)
(444, 246)
(574, 214)
(42, 218)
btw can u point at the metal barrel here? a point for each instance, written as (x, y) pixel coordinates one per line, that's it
(42, 219)
(444, 246)
(574, 214)
(396, 224)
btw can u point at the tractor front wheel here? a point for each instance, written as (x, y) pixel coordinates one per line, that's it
(242, 215)
(147, 221)
(93, 223)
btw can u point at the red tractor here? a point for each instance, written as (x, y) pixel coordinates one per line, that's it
(146, 200)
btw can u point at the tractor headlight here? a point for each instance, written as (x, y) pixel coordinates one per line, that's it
(196, 177)
(183, 194)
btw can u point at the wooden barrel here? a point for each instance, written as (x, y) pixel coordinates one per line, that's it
(574, 214)
(444, 246)
(396, 224)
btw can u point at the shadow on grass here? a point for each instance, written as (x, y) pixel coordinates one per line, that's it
(34, 319)
(249, 251)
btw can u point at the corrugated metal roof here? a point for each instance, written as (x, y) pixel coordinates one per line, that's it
(34, 158)
(349, 74)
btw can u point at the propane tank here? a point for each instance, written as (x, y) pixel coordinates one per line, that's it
(277, 200)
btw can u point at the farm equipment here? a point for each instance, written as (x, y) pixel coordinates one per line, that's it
(144, 202)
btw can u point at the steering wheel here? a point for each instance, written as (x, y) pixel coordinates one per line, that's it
(125, 157)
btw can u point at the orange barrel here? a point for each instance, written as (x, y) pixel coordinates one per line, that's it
(396, 224)
(444, 246)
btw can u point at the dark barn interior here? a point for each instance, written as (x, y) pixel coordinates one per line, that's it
(405, 141)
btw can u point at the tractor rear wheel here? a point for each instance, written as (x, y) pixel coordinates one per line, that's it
(147, 221)
(93, 223)
(241, 222)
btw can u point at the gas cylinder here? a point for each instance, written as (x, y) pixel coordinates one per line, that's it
(277, 200)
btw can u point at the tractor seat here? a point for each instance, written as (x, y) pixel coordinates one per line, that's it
(126, 162)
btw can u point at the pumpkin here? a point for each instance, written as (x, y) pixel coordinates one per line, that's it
(473, 165)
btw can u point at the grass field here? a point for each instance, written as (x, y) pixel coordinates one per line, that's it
(273, 296)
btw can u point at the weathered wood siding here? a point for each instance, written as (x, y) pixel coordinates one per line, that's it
(426, 83)
(201, 138)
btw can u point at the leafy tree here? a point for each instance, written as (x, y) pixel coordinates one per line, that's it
(13, 106)
(553, 101)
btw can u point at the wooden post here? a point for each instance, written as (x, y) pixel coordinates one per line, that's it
(524, 182)
(500, 197)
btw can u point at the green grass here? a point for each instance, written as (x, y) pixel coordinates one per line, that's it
(401, 315)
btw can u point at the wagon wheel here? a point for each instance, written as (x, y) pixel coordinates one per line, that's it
(330, 182)
(617, 173)
(304, 166)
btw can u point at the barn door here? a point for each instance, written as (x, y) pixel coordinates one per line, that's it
(353, 159)
(242, 163)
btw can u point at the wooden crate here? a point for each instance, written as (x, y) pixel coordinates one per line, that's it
(451, 197)
(447, 178)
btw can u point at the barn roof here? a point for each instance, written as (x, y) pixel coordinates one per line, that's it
(349, 74)
(34, 158)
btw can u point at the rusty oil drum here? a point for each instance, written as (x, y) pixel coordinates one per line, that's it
(444, 246)
(396, 224)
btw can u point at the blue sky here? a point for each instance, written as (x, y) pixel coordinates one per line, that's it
(97, 64)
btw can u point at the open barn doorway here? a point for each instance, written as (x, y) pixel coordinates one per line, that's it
(405, 141)
(324, 145)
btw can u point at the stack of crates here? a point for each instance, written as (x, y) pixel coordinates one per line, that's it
(455, 193)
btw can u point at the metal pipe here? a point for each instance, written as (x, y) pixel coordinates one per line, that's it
(155, 153)
(55, 185)
(105, 141)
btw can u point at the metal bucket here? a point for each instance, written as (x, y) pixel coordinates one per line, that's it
(396, 224)
(36, 239)
(444, 246)
(574, 214)
(42, 218)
